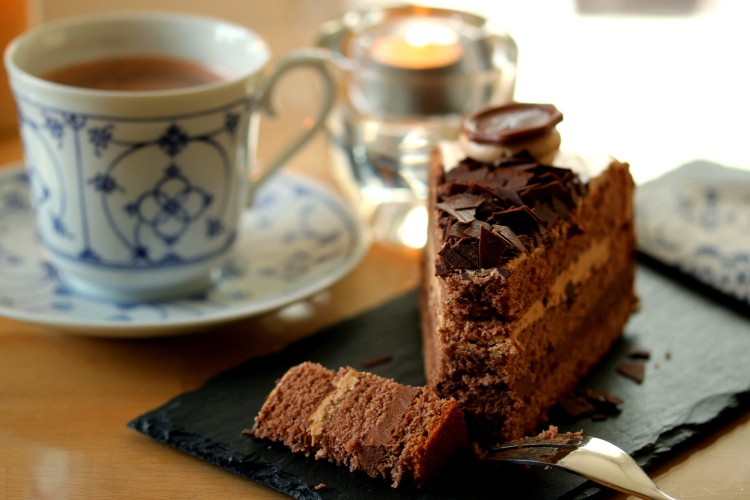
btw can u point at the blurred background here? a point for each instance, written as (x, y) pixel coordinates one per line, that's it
(656, 83)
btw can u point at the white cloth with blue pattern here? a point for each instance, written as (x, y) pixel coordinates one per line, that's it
(697, 219)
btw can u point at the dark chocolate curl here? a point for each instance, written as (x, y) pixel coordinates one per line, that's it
(509, 236)
(522, 220)
(473, 230)
(491, 249)
(452, 259)
(468, 252)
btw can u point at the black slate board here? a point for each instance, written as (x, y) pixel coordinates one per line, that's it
(705, 381)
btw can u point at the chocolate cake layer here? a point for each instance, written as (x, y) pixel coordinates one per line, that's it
(510, 341)
(364, 422)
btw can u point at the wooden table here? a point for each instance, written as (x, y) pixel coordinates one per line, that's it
(64, 401)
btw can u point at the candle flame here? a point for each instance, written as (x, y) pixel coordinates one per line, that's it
(420, 35)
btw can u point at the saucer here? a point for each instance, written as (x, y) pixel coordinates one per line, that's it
(299, 238)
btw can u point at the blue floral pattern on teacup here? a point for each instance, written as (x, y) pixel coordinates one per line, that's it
(95, 180)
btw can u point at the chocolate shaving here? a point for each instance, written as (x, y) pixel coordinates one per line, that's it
(522, 220)
(545, 212)
(456, 188)
(635, 370)
(469, 201)
(465, 216)
(376, 361)
(577, 408)
(594, 403)
(468, 252)
(605, 401)
(458, 229)
(638, 353)
(507, 194)
(451, 259)
(473, 230)
(545, 192)
(491, 248)
(517, 182)
(509, 236)
(468, 215)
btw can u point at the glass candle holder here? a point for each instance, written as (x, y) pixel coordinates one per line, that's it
(408, 75)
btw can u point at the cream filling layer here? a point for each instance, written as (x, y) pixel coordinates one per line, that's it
(594, 257)
(327, 408)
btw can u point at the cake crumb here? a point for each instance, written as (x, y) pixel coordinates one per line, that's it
(549, 434)
(320, 486)
(668, 354)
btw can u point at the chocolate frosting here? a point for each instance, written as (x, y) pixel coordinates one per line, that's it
(491, 213)
(511, 124)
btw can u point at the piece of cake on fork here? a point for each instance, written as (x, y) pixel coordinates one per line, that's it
(528, 269)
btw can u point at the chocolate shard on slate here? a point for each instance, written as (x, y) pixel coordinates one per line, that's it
(369, 363)
(639, 353)
(635, 370)
(491, 248)
(605, 397)
(577, 408)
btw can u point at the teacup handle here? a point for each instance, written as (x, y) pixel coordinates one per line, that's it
(312, 58)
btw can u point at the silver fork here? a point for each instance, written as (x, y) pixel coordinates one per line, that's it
(589, 457)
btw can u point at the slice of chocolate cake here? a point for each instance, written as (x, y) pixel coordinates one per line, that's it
(364, 422)
(529, 268)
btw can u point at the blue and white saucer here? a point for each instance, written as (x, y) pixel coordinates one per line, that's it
(299, 238)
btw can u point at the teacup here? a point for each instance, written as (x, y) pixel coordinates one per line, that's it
(138, 194)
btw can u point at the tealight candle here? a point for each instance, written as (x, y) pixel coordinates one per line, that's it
(424, 46)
